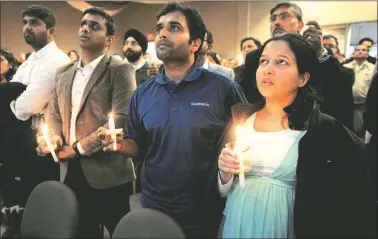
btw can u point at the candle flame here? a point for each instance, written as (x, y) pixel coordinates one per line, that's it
(241, 138)
(110, 115)
(48, 142)
(45, 130)
(238, 146)
(239, 131)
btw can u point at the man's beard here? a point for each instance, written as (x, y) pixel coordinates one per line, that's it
(132, 56)
(180, 53)
(33, 41)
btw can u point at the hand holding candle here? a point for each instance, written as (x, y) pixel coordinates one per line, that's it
(113, 134)
(49, 144)
(238, 148)
(232, 159)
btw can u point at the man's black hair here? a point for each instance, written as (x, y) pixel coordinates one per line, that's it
(109, 22)
(331, 36)
(41, 12)
(257, 42)
(196, 25)
(366, 39)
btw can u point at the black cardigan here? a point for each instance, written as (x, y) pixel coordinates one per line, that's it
(11, 128)
(370, 122)
(333, 196)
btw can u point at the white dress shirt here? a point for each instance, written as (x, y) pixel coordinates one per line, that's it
(81, 78)
(206, 64)
(139, 65)
(38, 74)
(363, 77)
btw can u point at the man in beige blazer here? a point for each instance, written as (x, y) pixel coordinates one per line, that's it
(84, 94)
(207, 45)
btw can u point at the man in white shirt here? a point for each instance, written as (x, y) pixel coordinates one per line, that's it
(134, 48)
(207, 45)
(84, 94)
(22, 168)
(363, 71)
(37, 72)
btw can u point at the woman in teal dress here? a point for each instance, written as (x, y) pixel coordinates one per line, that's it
(272, 204)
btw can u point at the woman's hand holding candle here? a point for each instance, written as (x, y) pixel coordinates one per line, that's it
(231, 160)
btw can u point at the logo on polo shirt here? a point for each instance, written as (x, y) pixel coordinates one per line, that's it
(200, 104)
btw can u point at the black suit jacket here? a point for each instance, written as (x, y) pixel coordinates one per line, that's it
(370, 123)
(17, 148)
(239, 71)
(11, 129)
(335, 87)
(141, 74)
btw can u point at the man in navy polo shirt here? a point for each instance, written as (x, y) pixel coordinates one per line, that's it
(176, 120)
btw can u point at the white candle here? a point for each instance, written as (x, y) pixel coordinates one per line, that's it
(49, 145)
(112, 128)
(238, 148)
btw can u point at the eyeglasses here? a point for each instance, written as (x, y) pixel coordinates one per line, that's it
(329, 45)
(133, 43)
(284, 16)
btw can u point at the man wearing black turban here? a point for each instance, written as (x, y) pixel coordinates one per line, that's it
(135, 46)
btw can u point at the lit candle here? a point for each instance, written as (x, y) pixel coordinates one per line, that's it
(49, 145)
(238, 149)
(112, 130)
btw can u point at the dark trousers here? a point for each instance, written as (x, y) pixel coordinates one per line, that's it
(359, 110)
(138, 171)
(97, 206)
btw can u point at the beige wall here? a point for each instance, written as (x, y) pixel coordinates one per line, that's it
(228, 21)
(68, 20)
(325, 12)
(340, 34)
(135, 15)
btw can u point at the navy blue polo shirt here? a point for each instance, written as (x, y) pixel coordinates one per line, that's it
(177, 128)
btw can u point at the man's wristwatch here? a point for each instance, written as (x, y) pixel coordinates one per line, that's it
(74, 146)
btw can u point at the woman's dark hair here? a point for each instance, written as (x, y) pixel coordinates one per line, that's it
(27, 55)
(215, 57)
(7, 54)
(210, 39)
(299, 110)
(75, 52)
(196, 25)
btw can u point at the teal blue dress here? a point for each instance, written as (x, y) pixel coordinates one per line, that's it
(264, 207)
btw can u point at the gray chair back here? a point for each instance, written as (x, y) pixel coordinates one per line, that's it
(147, 223)
(50, 212)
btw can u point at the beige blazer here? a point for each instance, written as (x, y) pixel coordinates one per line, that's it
(108, 90)
(222, 69)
